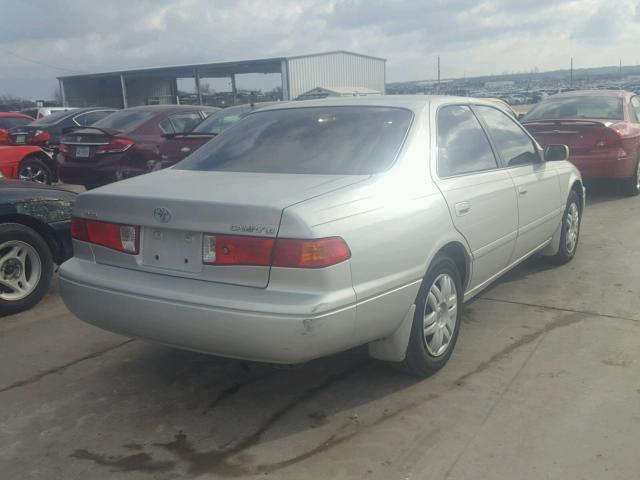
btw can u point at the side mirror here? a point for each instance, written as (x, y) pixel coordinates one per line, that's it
(556, 153)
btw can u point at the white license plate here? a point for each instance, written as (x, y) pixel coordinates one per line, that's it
(172, 249)
(21, 139)
(82, 152)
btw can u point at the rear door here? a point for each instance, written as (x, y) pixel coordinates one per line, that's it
(480, 194)
(536, 181)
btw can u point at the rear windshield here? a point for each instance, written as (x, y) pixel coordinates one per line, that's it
(10, 122)
(53, 118)
(605, 108)
(125, 120)
(313, 140)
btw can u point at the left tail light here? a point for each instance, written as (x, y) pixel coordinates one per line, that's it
(123, 238)
(115, 145)
(40, 136)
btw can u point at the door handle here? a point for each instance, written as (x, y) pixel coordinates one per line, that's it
(185, 149)
(522, 190)
(462, 208)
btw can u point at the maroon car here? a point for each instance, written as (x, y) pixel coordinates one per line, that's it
(601, 129)
(127, 143)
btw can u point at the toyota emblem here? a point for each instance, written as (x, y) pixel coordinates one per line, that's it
(161, 214)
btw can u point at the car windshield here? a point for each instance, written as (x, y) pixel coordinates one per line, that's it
(10, 122)
(313, 140)
(125, 120)
(222, 120)
(607, 108)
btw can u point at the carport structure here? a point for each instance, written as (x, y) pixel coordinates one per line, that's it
(159, 85)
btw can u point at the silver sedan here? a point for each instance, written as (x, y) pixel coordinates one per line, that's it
(310, 228)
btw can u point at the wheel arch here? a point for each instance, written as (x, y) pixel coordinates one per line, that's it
(42, 229)
(460, 254)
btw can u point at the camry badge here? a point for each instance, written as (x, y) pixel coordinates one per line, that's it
(161, 214)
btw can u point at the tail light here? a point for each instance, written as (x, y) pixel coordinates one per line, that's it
(40, 136)
(64, 148)
(282, 252)
(115, 145)
(124, 238)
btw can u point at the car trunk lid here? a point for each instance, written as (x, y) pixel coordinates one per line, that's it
(581, 136)
(179, 206)
(83, 144)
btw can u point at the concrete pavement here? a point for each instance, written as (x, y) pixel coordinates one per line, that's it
(544, 384)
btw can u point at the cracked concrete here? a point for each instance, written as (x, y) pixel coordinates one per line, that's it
(543, 384)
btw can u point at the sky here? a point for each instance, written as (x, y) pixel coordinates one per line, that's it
(43, 39)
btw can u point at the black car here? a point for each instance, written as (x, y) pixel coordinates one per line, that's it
(35, 223)
(47, 131)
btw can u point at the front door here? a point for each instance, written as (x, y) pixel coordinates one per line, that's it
(538, 189)
(481, 196)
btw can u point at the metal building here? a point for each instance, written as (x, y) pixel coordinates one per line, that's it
(298, 75)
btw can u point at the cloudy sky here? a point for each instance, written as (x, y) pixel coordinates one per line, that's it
(42, 39)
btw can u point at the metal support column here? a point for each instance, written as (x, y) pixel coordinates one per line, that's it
(284, 78)
(123, 87)
(233, 88)
(63, 97)
(197, 77)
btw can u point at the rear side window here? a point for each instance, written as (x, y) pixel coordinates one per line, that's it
(310, 140)
(515, 146)
(184, 122)
(462, 144)
(53, 118)
(125, 120)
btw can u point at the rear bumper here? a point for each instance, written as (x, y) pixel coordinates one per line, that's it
(107, 169)
(604, 165)
(226, 320)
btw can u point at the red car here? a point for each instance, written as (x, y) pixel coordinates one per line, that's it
(601, 129)
(27, 162)
(127, 143)
(9, 120)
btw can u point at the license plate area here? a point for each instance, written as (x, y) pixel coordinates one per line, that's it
(21, 139)
(172, 250)
(83, 152)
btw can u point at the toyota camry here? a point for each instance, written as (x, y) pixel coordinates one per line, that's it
(309, 228)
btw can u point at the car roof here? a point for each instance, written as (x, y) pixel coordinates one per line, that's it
(591, 93)
(170, 108)
(15, 115)
(415, 103)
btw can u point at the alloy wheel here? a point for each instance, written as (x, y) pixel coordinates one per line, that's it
(33, 173)
(440, 315)
(572, 226)
(20, 270)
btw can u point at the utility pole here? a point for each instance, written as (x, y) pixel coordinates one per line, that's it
(620, 68)
(438, 73)
(571, 74)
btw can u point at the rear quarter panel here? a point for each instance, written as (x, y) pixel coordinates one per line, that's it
(394, 224)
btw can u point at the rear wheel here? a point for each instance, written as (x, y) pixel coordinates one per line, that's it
(33, 169)
(436, 321)
(631, 186)
(26, 267)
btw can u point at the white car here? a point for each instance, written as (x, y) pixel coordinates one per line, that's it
(312, 227)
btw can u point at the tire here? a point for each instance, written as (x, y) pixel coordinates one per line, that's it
(35, 268)
(33, 169)
(631, 186)
(570, 230)
(423, 358)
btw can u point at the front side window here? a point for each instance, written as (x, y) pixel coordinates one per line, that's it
(635, 104)
(576, 108)
(184, 122)
(462, 144)
(309, 140)
(515, 146)
(222, 120)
